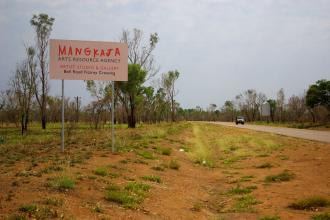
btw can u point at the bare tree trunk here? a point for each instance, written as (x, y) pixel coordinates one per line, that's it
(313, 115)
(22, 124)
(131, 117)
(43, 117)
(172, 110)
(26, 121)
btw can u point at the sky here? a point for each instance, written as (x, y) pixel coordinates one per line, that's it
(220, 47)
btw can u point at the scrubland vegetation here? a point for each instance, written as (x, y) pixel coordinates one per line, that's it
(203, 170)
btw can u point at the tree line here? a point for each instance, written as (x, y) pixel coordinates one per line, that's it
(311, 106)
(143, 98)
(27, 98)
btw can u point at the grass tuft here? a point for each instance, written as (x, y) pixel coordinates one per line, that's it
(321, 216)
(30, 208)
(270, 218)
(101, 171)
(158, 168)
(164, 150)
(239, 191)
(152, 178)
(137, 187)
(129, 197)
(174, 164)
(265, 165)
(197, 207)
(16, 216)
(245, 203)
(147, 155)
(310, 203)
(281, 177)
(62, 183)
(53, 201)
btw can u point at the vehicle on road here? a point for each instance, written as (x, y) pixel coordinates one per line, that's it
(240, 120)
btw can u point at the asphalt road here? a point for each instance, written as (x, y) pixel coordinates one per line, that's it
(323, 136)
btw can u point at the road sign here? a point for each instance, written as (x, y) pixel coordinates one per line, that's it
(88, 60)
(265, 109)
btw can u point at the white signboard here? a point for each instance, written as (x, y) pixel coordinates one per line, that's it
(265, 109)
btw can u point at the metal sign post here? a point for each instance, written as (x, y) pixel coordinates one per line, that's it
(113, 117)
(62, 145)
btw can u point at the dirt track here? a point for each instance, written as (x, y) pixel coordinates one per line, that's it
(323, 136)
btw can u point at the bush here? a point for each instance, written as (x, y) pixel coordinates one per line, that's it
(244, 203)
(174, 164)
(146, 155)
(322, 216)
(152, 178)
(129, 197)
(62, 183)
(28, 208)
(265, 165)
(164, 150)
(16, 217)
(270, 218)
(310, 203)
(101, 171)
(282, 177)
(121, 197)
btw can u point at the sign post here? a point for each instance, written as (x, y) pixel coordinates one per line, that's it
(62, 133)
(88, 60)
(113, 116)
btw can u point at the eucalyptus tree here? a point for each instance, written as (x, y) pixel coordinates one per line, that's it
(23, 86)
(168, 83)
(272, 105)
(141, 68)
(318, 94)
(42, 25)
(101, 91)
(140, 53)
(131, 91)
(280, 103)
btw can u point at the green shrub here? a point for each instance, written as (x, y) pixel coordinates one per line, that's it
(97, 209)
(101, 171)
(158, 168)
(16, 217)
(270, 218)
(197, 207)
(53, 201)
(62, 183)
(137, 187)
(310, 203)
(174, 164)
(122, 197)
(152, 178)
(129, 197)
(321, 216)
(244, 204)
(264, 165)
(147, 155)
(164, 150)
(282, 177)
(46, 213)
(30, 208)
